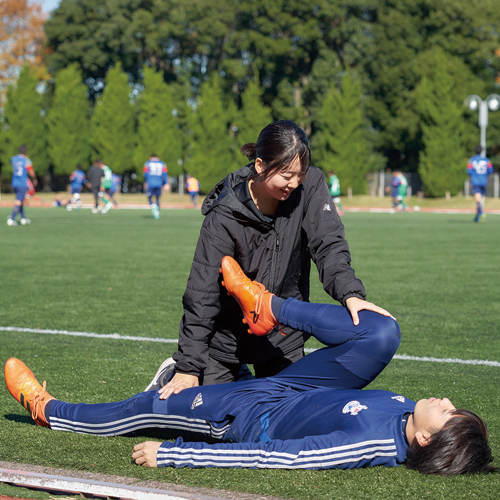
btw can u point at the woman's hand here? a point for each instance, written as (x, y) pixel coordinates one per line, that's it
(145, 453)
(179, 382)
(355, 304)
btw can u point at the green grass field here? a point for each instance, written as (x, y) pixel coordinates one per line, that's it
(125, 273)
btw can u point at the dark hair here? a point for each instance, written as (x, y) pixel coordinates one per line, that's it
(460, 447)
(278, 145)
(478, 150)
(23, 150)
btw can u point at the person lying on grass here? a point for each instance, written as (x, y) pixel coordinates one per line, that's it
(312, 415)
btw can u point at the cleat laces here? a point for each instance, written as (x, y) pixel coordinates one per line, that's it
(259, 291)
(34, 398)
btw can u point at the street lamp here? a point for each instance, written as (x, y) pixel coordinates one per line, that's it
(474, 102)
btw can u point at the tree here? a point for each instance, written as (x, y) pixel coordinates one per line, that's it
(442, 162)
(157, 131)
(96, 35)
(211, 156)
(340, 144)
(404, 35)
(67, 122)
(253, 115)
(112, 124)
(23, 123)
(21, 38)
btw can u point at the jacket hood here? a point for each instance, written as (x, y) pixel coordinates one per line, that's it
(225, 197)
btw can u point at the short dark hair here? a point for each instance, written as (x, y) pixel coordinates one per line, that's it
(478, 150)
(278, 145)
(460, 447)
(23, 150)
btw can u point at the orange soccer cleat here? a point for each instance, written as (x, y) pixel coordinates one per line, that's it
(23, 385)
(252, 297)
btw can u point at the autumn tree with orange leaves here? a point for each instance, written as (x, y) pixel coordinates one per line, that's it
(21, 39)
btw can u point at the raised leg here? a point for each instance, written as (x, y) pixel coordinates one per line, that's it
(354, 355)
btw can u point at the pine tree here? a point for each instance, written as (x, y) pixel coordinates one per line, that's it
(339, 143)
(24, 123)
(211, 156)
(157, 132)
(442, 162)
(253, 115)
(67, 122)
(112, 124)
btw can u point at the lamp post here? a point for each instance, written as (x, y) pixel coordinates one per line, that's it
(474, 102)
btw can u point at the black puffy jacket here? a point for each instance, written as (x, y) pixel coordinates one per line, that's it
(278, 255)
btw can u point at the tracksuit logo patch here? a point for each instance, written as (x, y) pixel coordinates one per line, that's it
(198, 400)
(401, 399)
(354, 407)
(326, 206)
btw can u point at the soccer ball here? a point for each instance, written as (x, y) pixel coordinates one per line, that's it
(416, 208)
(68, 208)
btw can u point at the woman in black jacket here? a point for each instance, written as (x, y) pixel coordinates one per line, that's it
(273, 216)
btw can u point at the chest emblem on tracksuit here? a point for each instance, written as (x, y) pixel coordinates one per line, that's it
(401, 399)
(354, 407)
(326, 206)
(198, 400)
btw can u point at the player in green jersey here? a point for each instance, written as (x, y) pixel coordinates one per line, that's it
(334, 186)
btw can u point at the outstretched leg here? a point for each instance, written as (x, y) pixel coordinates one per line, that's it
(206, 411)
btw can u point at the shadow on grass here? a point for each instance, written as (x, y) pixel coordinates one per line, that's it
(22, 419)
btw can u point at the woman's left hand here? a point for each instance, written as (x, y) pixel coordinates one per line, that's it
(355, 304)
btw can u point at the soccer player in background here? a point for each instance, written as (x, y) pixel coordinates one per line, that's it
(334, 185)
(193, 188)
(106, 183)
(76, 179)
(311, 415)
(399, 189)
(116, 182)
(155, 179)
(31, 192)
(479, 168)
(94, 176)
(21, 169)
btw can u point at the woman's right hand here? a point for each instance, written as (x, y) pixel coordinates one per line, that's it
(179, 382)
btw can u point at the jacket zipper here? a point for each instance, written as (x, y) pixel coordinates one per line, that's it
(273, 260)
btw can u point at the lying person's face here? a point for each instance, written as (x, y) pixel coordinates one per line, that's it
(430, 415)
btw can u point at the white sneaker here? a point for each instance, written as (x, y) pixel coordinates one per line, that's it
(11, 222)
(94, 210)
(162, 376)
(25, 222)
(68, 207)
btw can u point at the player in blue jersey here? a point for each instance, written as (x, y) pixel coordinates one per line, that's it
(399, 189)
(311, 415)
(21, 169)
(116, 182)
(479, 168)
(76, 179)
(155, 179)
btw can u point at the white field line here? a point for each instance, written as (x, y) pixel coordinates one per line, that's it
(117, 336)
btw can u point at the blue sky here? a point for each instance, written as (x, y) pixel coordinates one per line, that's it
(48, 5)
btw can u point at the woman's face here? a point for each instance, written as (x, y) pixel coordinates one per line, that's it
(281, 184)
(431, 414)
